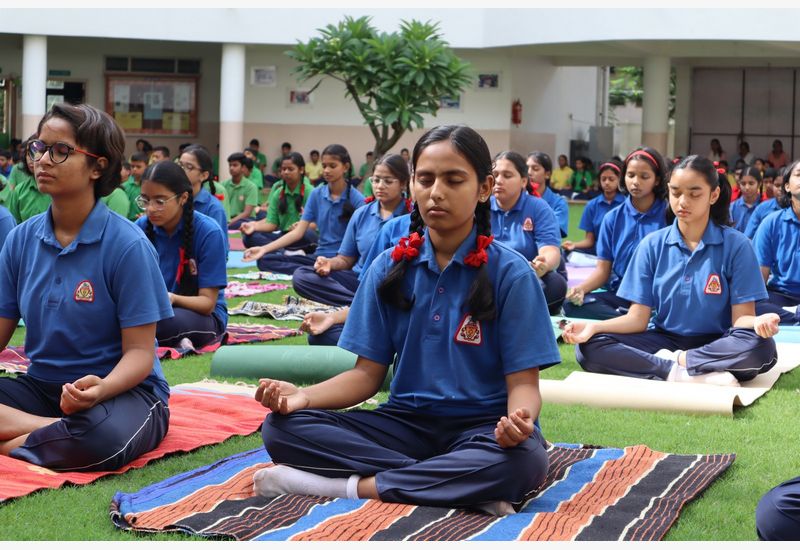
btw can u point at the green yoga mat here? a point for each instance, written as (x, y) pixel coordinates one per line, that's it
(296, 364)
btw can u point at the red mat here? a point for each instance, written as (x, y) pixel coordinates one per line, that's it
(235, 243)
(200, 414)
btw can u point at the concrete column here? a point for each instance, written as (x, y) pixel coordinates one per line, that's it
(34, 82)
(231, 104)
(656, 102)
(683, 106)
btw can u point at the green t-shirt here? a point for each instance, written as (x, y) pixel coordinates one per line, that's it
(6, 191)
(221, 189)
(276, 165)
(363, 170)
(25, 201)
(580, 180)
(257, 178)
(118, 201)
(261, 160)
(132, 190)
(241, 195)
(285, 221)
(368, 187)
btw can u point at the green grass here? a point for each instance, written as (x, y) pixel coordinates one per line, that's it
(762, 436)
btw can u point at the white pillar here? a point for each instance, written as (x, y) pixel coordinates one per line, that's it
(683, 103)
(231, 104)
(34, 82)
(655, 107)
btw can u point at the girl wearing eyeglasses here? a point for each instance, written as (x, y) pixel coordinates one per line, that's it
(334, 280)
(188, 245)
(86, 283)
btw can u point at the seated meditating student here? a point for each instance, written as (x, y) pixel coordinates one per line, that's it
(285, 205)
(457, 309)
(330, 207)
(189, 246)
(132, 186)
(742, 208)
(622, 229)
(253, 172)
(767, 206)
(25, 200)
(580, 181)
(700, 278)
(87, 285)
(778, 513)
(334, 280)
(560, 176)
(242, 192)
(777, 242)
(597, 208)
(207, 196)
(539, 168)
(526, 224)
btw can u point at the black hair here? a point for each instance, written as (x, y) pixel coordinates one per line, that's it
(183, 146)
(545, 161)
(720, 210)
(340, 152)
(98, 133)
(146, 146)
(126, 165)
(241, 159)
(286, 145)
(313, 152)
(205, 163)
(770, 173)
(399, 169)
(251, 151)
(23, 165)
(469, 144)
(519, 164)
(255, 142)
(140, 156)
(744, 143)
(296, 159)
(605, 166)
(723, 161)
(173, 177)
(656, 163)
(5, 153)
(163, 148)
(785, 200)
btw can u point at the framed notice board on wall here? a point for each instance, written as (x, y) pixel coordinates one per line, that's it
(157, 105)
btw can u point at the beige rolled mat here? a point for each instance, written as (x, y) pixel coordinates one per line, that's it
(621, 392)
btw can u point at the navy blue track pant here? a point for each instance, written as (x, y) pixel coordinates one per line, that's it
(598, 305)
(200, 329)
(328, 338)
(778, 512)
(775, 304)
(336, 289)
(260, 238)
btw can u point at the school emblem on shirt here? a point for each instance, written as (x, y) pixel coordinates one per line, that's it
(84, 292)
(713, 285)
(469, 332)
(528, 225)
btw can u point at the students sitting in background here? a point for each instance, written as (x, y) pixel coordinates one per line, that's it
(560, 177)
(242, 192)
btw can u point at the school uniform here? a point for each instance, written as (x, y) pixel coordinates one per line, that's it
(211, 206)
(117, 201)
(257, 178)
(75, 300)
(526, 227)
(286, 220)
(740, 213)
(221, 194)
(762, 210)
(240, 196)
(133, 190)
(593, 215)
(622, 229)
(560, 209)
(25, 200)
(778, 513)
(207, 241)
(7, 223)
(433, 442)
(326, 213)
(777, 243)
(691, 293)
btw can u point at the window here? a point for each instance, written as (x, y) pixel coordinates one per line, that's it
(153, 105)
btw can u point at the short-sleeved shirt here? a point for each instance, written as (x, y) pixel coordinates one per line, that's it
(580, 180)
(26, 201)
(276, 165)
(777, 245)
(740, 213)
(326, 213)
(221, 193)
(292, 216)
(363, 169)
(622, 230)
(257, 178)
(448, 364)
(596, 210)
(133, 190)
(261, 160)
(560, 209)
(559, 177)
(527, 226)
(314, 171)
(118, 202)
(763, 209)
(207, 244)
(76, 300)
(241, 195)
(7, 223)
(211, 206)
(389, 235)
(692, 292)
(362, 229)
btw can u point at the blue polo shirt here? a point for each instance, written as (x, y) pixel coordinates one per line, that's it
(560, 208)
(362, 230)
(777, 245)
(622, 230)
(445, 365)
(763, 209)
(325, 212)
(692, 292)
(527, 226)
(211, 206)
(207, 239)
(76, 300)
(389, 235)
(596, 210)
(741, 213)
(7, 223)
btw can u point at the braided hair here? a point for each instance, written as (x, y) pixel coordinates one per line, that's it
(340, 153)
(204, 162)
(172, 176)
(480, 300)
(297, 160)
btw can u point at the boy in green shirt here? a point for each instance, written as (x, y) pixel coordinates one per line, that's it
(275, 174)
(261, 158)
(25, 200)
(242, 193)
(253, 173)
(133, 187)
(364, 170)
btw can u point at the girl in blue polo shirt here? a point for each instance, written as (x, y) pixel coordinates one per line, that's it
(87, 285)
(742, 208)
(196, 161)
(701, 279)
(334, 280)
(539, 168)
(767, 206)
(597, 208)
(457, 311)
(525, 223)
(330, 207)
(777, 243)
(189, 246)
(644, 181)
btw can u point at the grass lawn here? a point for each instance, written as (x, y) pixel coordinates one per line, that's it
(761, 436)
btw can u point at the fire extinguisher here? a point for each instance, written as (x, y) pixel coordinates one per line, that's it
(516, 112)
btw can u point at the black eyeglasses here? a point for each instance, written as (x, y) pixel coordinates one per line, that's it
(59, 151)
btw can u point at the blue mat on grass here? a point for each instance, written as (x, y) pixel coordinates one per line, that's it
(235, 260)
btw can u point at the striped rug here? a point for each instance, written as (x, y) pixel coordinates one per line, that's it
(590, 493)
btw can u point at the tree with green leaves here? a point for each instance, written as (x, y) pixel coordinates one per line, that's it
(393, 78)
(627, 86)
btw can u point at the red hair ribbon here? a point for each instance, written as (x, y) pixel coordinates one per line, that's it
(408, 248)
(183, 262)
(609, 165)
(478, 257)
(220, 197)
(645, 154)
(721, 171)
(369, 199)
(535, 190)
(409, 205)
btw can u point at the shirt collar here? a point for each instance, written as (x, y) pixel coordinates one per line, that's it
(652, 211)
(789, 215)
(618, 198)
(428, 255)
(202, 197)
(517, 206)
(712, 235)
(91, 231)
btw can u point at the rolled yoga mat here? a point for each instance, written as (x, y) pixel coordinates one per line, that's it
(296, 364)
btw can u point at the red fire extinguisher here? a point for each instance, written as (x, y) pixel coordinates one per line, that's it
(516, 112)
